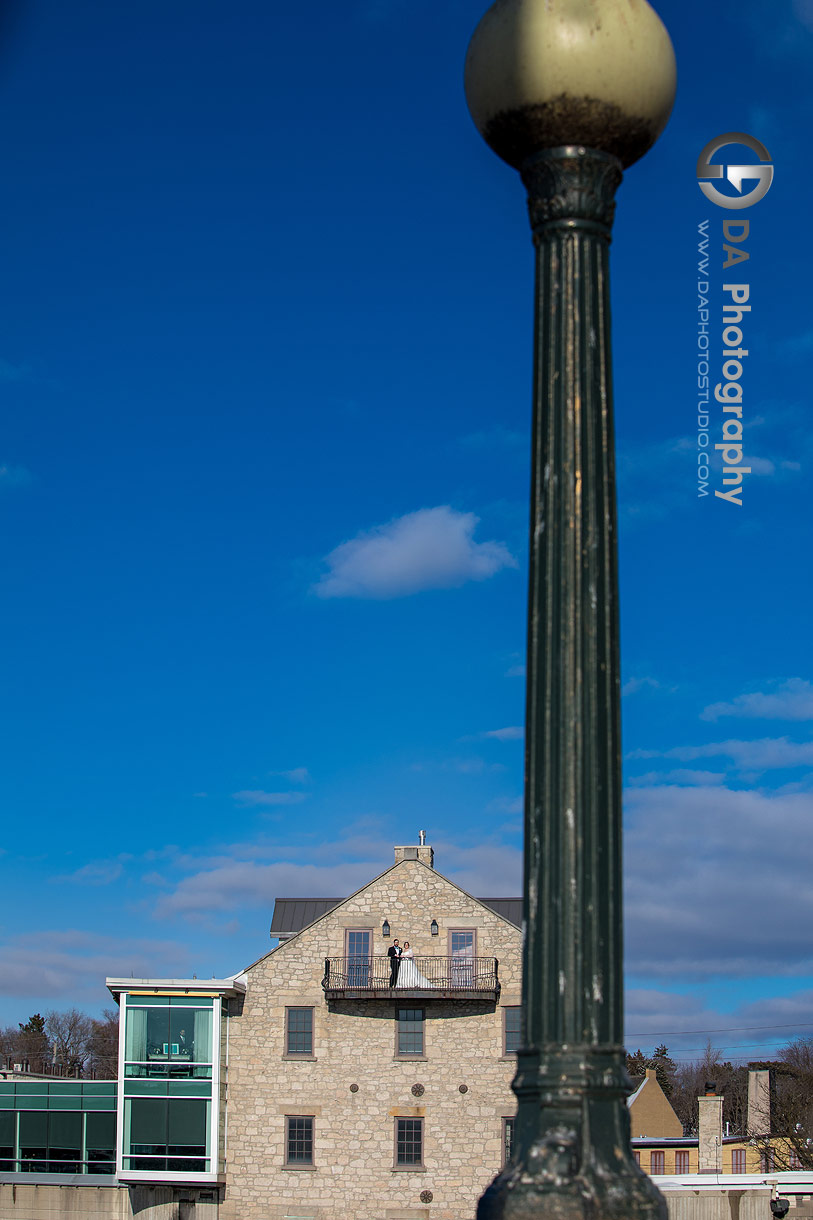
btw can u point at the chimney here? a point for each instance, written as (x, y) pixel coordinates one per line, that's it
(758, 1121)
(710, 1131)
(422, 852)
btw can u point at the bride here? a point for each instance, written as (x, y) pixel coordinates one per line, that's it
(408, 973)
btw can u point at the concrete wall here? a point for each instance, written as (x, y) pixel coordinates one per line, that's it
(354, 1044)
(720, 1204)
(38, 1201)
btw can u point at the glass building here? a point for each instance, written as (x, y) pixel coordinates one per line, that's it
(64, 1127)
(172, 1070)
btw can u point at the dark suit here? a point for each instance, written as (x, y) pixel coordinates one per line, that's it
(394, 954)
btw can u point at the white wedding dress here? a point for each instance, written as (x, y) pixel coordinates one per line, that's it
(408, 973)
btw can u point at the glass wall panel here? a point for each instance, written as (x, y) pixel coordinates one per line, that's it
(52, 1141)
(65, 1141)
(187, 1135)
(100, 1142)
(8, 1139)
(172, 1040)
(33, 1141)
(168, 1135)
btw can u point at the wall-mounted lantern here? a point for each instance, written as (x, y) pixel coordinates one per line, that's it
(385, 928)
(433, 927)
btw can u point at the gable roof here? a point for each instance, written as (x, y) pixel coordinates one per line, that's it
(291, 915)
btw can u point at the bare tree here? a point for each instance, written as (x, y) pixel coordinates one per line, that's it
(33, 1045)
(103, 1045)
(729, 1079)
(69, 1034)
(790, 1144)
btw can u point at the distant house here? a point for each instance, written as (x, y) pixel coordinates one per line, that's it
(650, 1111)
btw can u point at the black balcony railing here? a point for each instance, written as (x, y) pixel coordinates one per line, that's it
(444, 976)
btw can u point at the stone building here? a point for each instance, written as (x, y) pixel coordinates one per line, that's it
(348, 1096)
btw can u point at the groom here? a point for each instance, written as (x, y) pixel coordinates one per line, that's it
(394, 954)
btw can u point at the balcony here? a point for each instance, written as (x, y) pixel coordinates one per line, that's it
(420, 978)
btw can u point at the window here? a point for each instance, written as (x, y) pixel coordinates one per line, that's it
(737, 1160)
(167, 1134)
(299, 1140)
(462, 953)
(408, 1143)
(682, 1162)
(168, 1036)
(65, 1127)
(299, 1031)
(656, 1162)
(636, 1157)
(793, 1160)
(511, 1029)
(507, 1139)
(358, 946)
(766, 1161)
(410, 1031)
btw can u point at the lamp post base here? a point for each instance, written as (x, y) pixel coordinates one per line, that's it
(574, 1160)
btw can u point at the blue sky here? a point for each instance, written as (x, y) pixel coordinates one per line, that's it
(265, 368)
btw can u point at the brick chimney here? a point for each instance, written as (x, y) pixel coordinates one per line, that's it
(710, 1131)
(422, 852)
(758, 1121)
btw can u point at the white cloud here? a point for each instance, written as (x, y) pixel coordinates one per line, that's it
(514, 732)
(249, 798)
(515, 671)
(507, 804)
(635, 684)
(299, 775)
(752, 756)
(14, 476)
(717, 883)
(71, 963)
(97, 872)
(685, 1023)
(792, 700)
(678, 776)
(432, 548)
(759, 465)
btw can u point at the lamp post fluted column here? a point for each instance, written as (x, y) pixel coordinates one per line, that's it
(570, 92)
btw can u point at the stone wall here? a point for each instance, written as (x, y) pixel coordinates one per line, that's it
(464, 1076)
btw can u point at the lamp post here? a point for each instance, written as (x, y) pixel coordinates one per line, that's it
(571, 92)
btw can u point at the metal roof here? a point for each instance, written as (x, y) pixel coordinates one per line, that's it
(291, 915)
(509, 908)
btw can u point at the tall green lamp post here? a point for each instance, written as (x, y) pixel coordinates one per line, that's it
(571, 92)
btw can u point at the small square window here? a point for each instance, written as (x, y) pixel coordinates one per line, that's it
(298, 1140)
(410, 1031)
(507, 1139)
(298, 1031)
(408, 1143)
(512, 1029)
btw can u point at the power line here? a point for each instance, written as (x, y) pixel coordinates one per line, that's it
(731, 1029)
